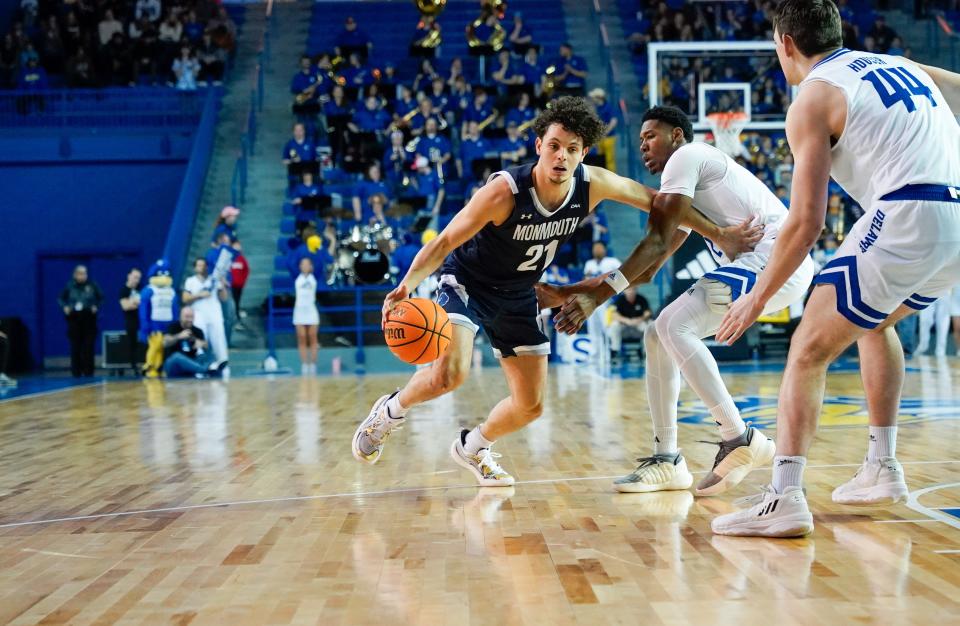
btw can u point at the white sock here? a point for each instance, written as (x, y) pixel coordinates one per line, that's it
(681, 327)
(395, 410)
(663, 391)
(729, 422)
(304, 369)
(883, 442)
(788, 471)
(665, 440)
(475, 442)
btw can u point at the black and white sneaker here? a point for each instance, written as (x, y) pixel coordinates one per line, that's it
(772, 514)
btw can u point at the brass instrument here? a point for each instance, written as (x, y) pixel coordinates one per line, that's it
(499, 35)
(549, 80)
(306, 94)
(432, 40)
(430, 8)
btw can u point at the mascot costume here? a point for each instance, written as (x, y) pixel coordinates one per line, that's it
(158, 309)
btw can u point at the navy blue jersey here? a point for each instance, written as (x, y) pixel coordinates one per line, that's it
(515, 254)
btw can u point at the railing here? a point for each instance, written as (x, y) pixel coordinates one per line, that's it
(185, 212)
(101, 108)
(279, 319)
(629, 134)
(238, 182)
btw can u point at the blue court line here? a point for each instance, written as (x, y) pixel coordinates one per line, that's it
(953, 512)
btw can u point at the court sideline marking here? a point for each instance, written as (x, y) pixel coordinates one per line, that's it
(911, 503)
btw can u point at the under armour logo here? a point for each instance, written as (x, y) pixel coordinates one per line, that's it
(574, 206)
(873, 437)
(954, 193)
(526, 217)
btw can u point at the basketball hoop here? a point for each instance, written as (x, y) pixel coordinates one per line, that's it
(726, 129)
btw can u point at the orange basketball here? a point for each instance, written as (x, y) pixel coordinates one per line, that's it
(417, 331)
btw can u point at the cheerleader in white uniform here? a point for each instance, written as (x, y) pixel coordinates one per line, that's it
(306, 318)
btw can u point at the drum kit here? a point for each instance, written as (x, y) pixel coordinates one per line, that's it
(363, 256)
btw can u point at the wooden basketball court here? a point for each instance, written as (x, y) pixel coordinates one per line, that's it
(239, 503)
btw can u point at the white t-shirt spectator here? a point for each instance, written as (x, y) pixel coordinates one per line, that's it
(209, 307)
(107, 28)
(149, 8)
(605, 265)
(171, 33)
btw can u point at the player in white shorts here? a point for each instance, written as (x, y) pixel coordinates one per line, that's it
(700, 176)
(882, 127)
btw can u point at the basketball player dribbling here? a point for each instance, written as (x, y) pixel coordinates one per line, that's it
(492, 254)
(700, 176)
(882, 127)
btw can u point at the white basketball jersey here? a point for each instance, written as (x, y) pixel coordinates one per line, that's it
(899, 129)
(724, 191)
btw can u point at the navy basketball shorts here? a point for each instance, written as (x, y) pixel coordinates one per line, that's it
(509, 318)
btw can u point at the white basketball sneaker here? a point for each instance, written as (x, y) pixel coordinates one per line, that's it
(876, 482)
(373, 431)
(772, 514)
(735, 460)
(660, 472)
(482, 464)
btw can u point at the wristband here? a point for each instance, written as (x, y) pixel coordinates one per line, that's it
(617, 281)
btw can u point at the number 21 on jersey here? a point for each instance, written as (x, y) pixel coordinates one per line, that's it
(898, 84)
(535, 252)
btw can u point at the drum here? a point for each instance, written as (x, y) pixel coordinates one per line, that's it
(379, 236)
(371, 267)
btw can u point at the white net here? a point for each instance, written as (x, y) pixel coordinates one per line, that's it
(726, 129)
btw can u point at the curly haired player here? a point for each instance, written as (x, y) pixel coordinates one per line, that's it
(492, 254)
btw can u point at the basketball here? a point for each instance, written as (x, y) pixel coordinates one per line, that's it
(417, 331)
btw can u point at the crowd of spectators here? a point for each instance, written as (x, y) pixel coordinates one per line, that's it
(738, 20)
(83, 43)
(374, 147)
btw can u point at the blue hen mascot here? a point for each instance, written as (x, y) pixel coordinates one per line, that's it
(158, 309)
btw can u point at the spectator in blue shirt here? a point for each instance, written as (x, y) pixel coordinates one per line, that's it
(438, 98)
(404, 104)
(227, 225)
(307, 85)
(307, 188)
(472, 147)
(513, 147)
(521, 113)
(371, 118)
(357, 73)
(533, 70)
(371, 197)
(396, 159)
(337, 105)
(403, 256)
(312, 248)
(419, 121)
(480, 110)
(435, 147)
(460, 97)
(427, 185)
(352, 39)
(608, 114)
(505, 71)
(571, 71)
(521, 37)
(299, 148)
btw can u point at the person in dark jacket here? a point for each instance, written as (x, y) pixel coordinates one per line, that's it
(80, 301)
